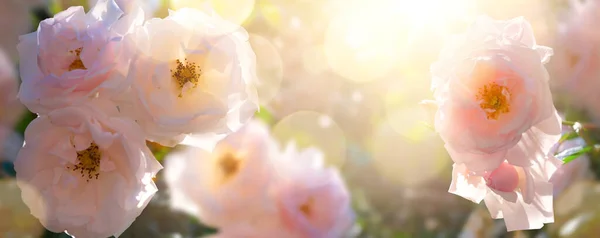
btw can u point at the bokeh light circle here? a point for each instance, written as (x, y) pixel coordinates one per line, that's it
(408, 161)
(363, 43)
(269, 68)
(312, 129)
(235, 11)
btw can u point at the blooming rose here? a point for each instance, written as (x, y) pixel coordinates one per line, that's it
(75, 56)
(311, 200)
(149, 6)
(193, 74)
(494, 100)
(577, 59)
(228, 185)
(520, 195)
(84, 172)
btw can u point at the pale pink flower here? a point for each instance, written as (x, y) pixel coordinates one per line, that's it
(194, 74)
(75, 56)
(520, 195)
(228, 185)
(307, 200)
(84, 172)
(494, 100)
(575, 65)
(15, 20)
(311, 200)
(149, 6)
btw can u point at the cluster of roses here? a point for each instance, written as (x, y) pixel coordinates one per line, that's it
(106, 81)
(498, 121)
(249, 187)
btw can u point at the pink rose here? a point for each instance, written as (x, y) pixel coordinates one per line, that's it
(311, 200)
(149, 6)
(75, 56)
(494, 100)
(228, 185)
(84, 172)
(193, 74)
(521, 195)
(575, 64)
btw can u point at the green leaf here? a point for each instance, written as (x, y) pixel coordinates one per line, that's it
(568, 136)
(573, 153)
(24, 122)
(264, 115)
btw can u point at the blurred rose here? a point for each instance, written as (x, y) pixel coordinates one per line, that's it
(576, 64)
(128, 6)
(493, 95)
(84, 172)
(311, 200)
(194, 75)
(16, 221)
(15, 19)
(228, 185)
(520, 195)
(75, 56)
(308, 200)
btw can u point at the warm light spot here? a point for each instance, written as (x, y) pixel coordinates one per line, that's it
(494, 100)
(306, 208)
(77, 63)
(186, 72)
(229, 165)
(88, 162)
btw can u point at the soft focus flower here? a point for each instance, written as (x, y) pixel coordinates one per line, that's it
(228, 185)
(311, 199)
(15, 20)
(84, 172)
(520, 195)
(308, 200)
(493, 96)
(149, 6)
(577, 60)
(194, 74)
(75, 56)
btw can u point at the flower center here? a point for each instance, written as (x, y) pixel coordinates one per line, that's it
(229, 166)
(306, 208)
(186, 72)
(77, 63)
(88, 162)
(494, 100)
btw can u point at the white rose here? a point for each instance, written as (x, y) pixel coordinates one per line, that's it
(85, 173)
(193, 74)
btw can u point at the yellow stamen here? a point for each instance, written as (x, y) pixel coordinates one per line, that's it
(494, 100)
(186, 72)
(229, 165)
(88, 162)
(77, 63)
(307, 207)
